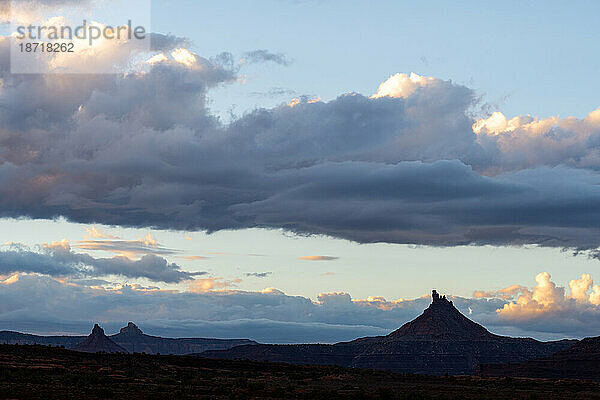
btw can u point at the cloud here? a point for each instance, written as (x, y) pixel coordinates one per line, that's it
(527, 142)
(580, 287)
(210, 284)
(96, 233)
(260, 56)
(551, 308)
(194, 258)
(506, 293)
(403, 85)
(168, 42)
(402, 166)
(128, 248)
(58, 260)
(31, 10)
(259, 274)
(41, 303)
(318, 258)
(274, 92)
(268, 315)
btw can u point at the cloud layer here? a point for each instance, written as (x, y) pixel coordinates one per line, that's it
(408, 164)
(58, 260)
(39, 303)
(548, 307)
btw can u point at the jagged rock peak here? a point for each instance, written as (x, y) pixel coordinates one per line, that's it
(98, 342)
(97, 330)
(440, 300)
(131, 329)
(441, 321)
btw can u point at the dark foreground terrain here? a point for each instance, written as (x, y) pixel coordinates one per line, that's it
(36, 372)
(581, 361)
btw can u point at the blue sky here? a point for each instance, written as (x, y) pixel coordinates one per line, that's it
(536, 57)
(289, 187)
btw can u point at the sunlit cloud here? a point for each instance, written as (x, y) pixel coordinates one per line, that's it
(184, 56)
(128, 248)
(548, 301)
(93, 232)
(506, 293)
(402, 85)
(205, 285)
(11, 279)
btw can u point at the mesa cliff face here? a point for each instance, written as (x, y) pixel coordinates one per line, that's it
(439, 341)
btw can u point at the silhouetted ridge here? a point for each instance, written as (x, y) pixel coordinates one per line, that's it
(441, 321)
(586, 349)
(580, 361)
(97, 342)
(132, 339)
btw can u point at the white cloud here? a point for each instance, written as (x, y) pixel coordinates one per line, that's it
(527, 142)
(402, 85)
(205, 285)
(580, 287)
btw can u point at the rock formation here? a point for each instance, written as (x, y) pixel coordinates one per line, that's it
(98, 342)
(11, 337)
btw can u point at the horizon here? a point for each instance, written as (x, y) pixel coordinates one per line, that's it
(436, 298)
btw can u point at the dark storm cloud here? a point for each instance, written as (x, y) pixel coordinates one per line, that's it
(144, 150)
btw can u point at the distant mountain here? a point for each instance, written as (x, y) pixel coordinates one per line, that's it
(132, 339)
(439, 341)
(10, 337)
(580, 361)
(98, 342)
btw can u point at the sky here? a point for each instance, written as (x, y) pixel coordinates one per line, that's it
(303, 171)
